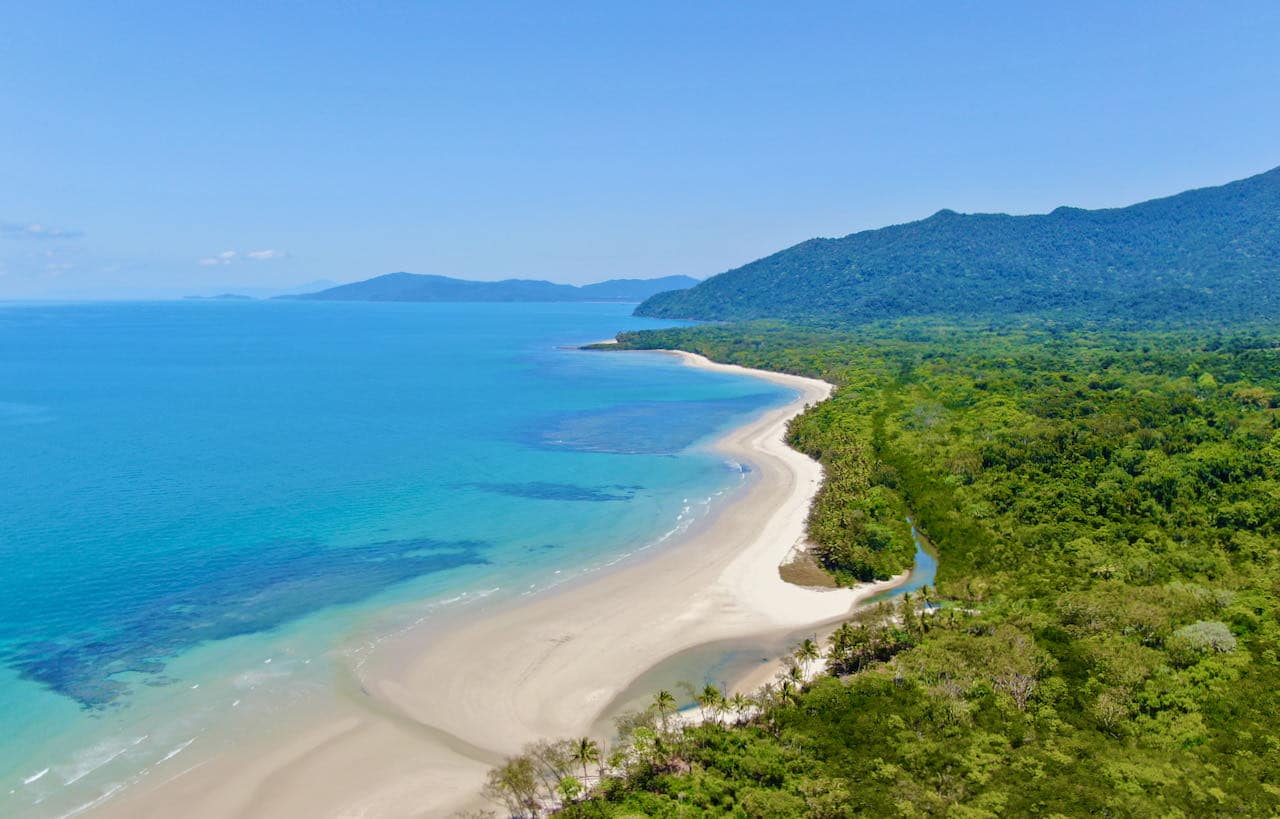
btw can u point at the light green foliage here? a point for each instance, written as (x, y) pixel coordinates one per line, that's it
(1190, 643)
(569, 788)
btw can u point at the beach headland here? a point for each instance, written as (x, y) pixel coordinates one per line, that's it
(430, 711)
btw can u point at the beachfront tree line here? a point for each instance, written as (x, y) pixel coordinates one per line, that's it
(544, 775)
(660, 739)
(1105, 505)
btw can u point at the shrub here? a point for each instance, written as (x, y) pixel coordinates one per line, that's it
(1189, 644)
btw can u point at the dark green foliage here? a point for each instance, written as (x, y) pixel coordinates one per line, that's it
(858, 523)
(1106, 511)
(1213, 252)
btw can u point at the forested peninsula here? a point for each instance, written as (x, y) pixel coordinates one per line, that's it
(1102, 639)
(1080, 412)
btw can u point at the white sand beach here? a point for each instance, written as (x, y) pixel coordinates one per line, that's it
(436, 707)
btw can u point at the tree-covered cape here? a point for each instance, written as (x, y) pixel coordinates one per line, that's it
(1106, 509)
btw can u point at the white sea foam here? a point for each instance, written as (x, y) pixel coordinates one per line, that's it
(177, 750)
(362, 652)
(35, 777)
(94, 758)
(107, 794)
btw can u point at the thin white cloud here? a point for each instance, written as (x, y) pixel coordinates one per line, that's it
(233, 256)
(36, 230)
(225, 257)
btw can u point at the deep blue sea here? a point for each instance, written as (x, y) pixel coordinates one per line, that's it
(205, 507)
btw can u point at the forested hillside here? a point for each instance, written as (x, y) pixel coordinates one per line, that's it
(1213, 252)
(1106, 511)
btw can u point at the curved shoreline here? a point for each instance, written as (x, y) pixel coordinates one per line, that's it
(433, 711)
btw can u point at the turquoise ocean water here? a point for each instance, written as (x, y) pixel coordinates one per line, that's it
(207, 507)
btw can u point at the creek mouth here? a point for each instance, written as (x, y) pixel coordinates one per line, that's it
(724, 663)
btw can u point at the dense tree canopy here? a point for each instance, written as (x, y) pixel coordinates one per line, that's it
(1106, 509)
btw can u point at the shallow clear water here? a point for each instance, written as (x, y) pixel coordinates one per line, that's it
(205, 506)
(723, 663)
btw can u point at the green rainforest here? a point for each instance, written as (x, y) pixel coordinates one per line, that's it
(1205, 255)
(1105, 505)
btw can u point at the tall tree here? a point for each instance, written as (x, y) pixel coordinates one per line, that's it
(586, 751)
(665, 702)
(806, 653)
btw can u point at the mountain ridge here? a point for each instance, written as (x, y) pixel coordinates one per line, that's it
(1212, 252)
(403, 286)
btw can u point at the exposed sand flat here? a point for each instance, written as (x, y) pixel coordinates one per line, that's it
(440, 705)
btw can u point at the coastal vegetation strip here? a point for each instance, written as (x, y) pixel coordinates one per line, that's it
(1106, 508)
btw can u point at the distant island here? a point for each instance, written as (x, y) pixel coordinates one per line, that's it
(418, 287)
(1207, 253)
(221, 297)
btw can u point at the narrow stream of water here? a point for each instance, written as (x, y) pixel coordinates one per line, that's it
(723, 662)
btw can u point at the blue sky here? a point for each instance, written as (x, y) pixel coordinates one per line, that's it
(173, 148)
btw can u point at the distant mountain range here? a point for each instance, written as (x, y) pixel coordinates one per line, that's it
(1208, 253)
(238, 293)
(417, 287)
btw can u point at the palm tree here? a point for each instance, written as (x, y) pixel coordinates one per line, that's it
(665, 703)
(806, 653)
(838, 645)
(585, 750)
(786, 690)
(740, 703)
(907, 612)
(842, 637)
(841, 644)
(710, 700)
